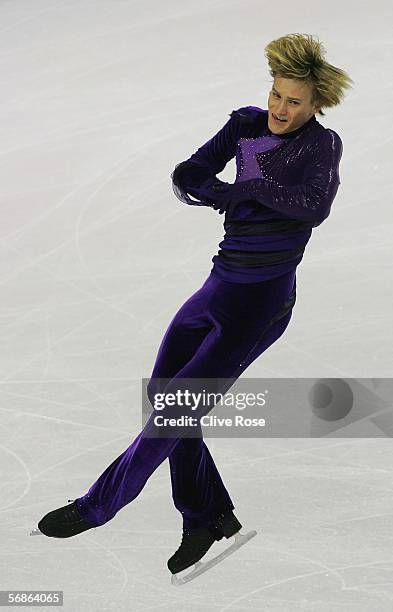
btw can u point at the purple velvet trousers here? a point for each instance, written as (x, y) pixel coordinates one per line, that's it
(217, 333)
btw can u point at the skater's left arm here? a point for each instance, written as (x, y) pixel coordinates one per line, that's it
(309, 201)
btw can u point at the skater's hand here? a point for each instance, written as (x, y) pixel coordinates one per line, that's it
(198, 194)
(206, 192)
(231, 194)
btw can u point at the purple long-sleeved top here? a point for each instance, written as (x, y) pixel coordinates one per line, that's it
(289, 182)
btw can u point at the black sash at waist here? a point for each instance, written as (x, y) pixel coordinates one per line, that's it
(261, 228)
(257, 258)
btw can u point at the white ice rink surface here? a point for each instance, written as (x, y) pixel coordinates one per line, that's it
(99, 100)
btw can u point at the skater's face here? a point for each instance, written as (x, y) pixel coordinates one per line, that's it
(289, 99)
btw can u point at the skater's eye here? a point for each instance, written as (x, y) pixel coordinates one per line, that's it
(292, 101)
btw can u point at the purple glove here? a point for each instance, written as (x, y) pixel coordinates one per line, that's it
(232, 195)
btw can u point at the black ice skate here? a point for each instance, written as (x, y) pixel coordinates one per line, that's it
(197, 541)
(64, 522)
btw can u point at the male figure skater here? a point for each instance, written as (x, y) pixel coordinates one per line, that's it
(287, 178)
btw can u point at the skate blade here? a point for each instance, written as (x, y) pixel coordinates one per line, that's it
(201, 568)
(36, 531)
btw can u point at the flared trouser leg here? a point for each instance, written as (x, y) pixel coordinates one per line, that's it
(217, 333)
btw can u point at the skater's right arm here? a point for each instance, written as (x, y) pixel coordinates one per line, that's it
(196, 175)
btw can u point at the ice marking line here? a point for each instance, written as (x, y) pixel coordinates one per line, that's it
(34, 16)
(67, 281)
(65, 421)
(321, 361)
(28, 477)
(102, 175)
(65, 134)
(147, 22)
(153, 282)
(104, 397)
(248, 460)
(79, 454)
(273, 584)
(120, 565)
(79, 233)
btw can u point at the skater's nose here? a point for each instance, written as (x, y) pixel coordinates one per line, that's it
(281, 109)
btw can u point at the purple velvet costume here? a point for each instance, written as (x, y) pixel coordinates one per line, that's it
(242, 308)
(289, 183)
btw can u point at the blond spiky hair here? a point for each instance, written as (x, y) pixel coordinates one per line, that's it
(300, 56)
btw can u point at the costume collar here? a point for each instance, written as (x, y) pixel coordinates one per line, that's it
(295, 133)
